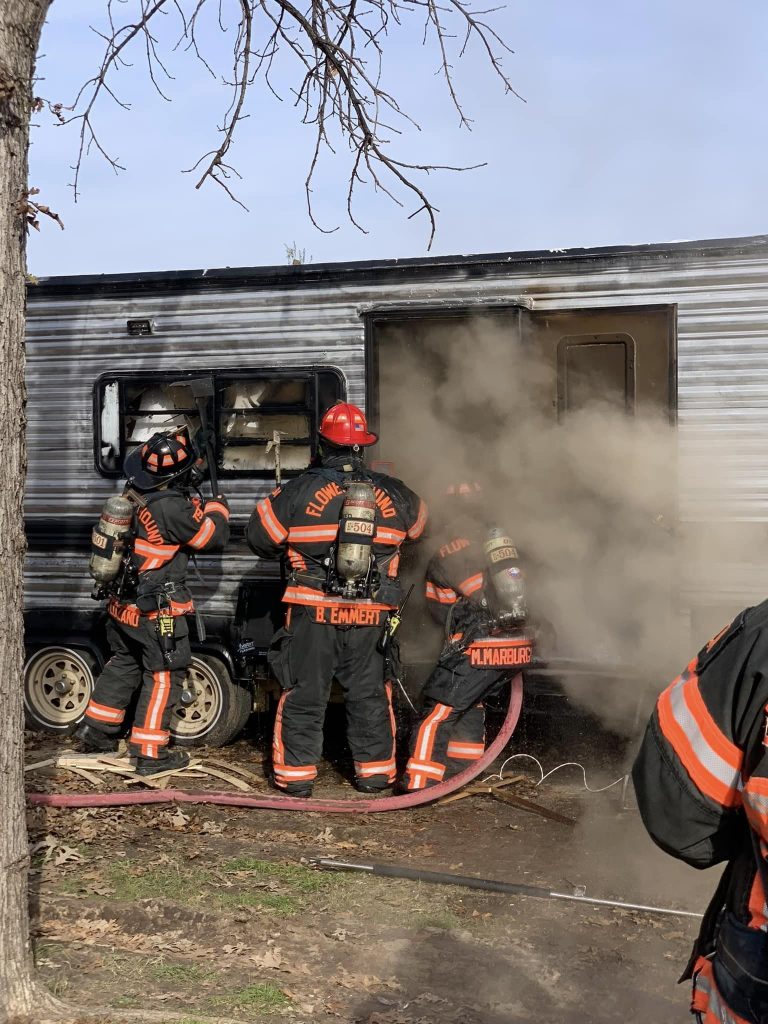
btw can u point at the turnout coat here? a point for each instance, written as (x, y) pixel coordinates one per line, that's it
(301, 518)
(170, 527)
(701, 778)
(455, 587)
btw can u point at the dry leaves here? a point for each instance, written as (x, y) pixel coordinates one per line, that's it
(178, 820)
(211, 828)
(55, 853)
(271, 959)
(240, 949)
(368, 982)
(30, 210)
(89, 931)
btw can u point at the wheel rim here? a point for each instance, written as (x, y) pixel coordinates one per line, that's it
(41, 674)
(199, 717)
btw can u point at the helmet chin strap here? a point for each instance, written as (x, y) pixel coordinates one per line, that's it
(328, 450)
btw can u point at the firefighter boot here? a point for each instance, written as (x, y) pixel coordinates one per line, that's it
(94, 741)
(173, 760)
(364, 786)
(302, 790)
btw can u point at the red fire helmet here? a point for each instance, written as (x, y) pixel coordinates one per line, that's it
(345, 425)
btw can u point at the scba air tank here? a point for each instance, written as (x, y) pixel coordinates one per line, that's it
(357, 525)
(506, 597)
(106, 547)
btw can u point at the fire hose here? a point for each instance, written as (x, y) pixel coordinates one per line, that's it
(289, 803)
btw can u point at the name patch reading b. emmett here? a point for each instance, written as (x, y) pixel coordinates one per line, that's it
(348, 616)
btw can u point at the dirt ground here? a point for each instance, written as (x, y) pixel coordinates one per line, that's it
(215, 913)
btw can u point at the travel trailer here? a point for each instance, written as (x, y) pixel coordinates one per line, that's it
(678, 330)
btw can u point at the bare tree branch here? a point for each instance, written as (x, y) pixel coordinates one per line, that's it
(119, 39)
(217, 170)
(339, 46)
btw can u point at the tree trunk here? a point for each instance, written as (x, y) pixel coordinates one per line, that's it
(21, 22)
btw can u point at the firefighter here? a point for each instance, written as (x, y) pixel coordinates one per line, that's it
(147, 629)
(341, 528)
(484, 641)
(701, 779)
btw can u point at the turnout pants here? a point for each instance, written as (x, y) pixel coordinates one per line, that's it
(450, 731)
(306, 655)
(137, 663)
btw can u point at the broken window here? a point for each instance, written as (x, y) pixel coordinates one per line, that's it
(256, 415)
(257, 418)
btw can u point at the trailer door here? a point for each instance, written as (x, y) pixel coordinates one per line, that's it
(620, 357)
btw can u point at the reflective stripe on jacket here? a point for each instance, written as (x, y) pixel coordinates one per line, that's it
(169, 528)
(301, 519)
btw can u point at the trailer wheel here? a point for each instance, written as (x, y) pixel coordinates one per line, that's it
(58, 683)
(213, 709)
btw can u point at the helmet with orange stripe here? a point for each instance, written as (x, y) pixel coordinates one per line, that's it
(164, 457)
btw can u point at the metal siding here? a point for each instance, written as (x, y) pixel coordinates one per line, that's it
(722, 375)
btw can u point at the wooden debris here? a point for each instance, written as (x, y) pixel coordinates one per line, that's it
(150, 780)
(86, 762)
(89, 766)
(51, 762)
(231, 779)
(118, 762)
(68, 763)
(236, 769)
(480, 789)
(159, 781)
(88, 776)
(492, 789)
(534, 808)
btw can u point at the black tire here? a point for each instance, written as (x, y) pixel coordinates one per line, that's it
(45, 709)
(218, 713)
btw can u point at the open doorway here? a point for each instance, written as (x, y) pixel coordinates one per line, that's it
(540, 408)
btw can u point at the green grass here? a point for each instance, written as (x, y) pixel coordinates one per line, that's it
(192, 886)
(190, 973)
(126, 1002)
(73, 885)
(234, 898)
(177, 884)
(442, 919)
(44, 950)
(263, 997)
(293, 876)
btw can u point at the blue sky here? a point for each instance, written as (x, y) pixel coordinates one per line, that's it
(643, 121)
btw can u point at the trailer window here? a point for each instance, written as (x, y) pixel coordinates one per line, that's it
(257, 418)
(261, 420)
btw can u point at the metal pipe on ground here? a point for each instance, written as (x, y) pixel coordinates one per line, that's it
(489, 885)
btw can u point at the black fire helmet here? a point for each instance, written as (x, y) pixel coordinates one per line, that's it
(164, 457)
